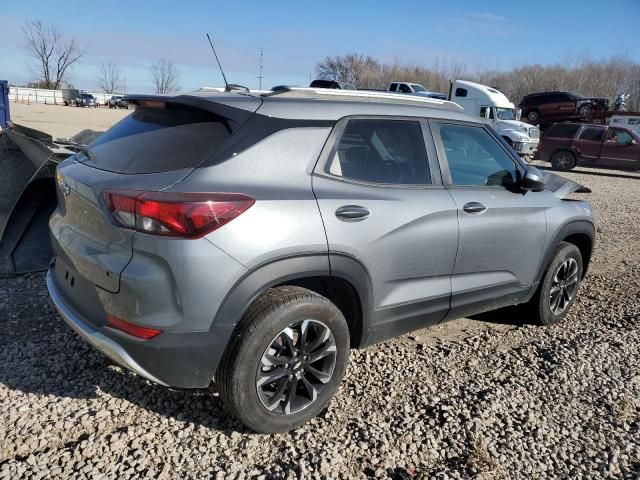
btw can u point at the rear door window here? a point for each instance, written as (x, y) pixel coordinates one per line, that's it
(158, 139)
(560, 130)
(381, 151)
(593, 134)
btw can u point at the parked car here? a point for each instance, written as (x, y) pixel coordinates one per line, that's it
(566, 145)
(85, 100)
(332, 84)
(493, 105)
(547, 107)
(118, 101)
(414, 89)
(182, 254)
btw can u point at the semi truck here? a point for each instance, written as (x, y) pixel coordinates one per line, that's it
(493, 105)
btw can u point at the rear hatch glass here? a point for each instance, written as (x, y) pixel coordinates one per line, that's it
(157, 139)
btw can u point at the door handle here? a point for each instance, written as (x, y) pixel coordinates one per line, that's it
(474, 207)
(352, 213)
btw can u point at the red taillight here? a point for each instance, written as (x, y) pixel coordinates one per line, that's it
(188, 215)
(135, 330)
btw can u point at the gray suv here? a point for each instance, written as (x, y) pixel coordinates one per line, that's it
(253, 239)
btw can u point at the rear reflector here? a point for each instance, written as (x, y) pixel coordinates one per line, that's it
(135, 330)
(186, 215)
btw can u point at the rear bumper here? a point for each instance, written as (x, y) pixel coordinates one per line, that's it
(174, 359)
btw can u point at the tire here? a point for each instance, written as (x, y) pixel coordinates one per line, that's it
(584, 110)
(563, 161)
(251, 360)
(545, 309)
(533, 116)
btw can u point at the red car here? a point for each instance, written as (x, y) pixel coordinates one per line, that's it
(566, 145)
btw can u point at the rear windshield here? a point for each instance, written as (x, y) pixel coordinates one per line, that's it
(162, 139)
(560, 130)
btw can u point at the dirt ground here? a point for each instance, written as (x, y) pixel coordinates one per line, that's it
(63, 122)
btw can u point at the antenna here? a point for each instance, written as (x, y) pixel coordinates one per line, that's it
(260, 74)
(226, 84)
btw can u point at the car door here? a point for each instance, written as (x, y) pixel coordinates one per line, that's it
(565, 105)
(383, 204)
(548, 106)
(620, 149)
(589, 143)
(502, 229)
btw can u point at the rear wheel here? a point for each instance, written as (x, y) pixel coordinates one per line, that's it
(559, 286)
(563, 161)
(286, 362)
(533, 116)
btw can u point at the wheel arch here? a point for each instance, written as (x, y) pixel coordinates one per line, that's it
(343, 280)
(581, 233)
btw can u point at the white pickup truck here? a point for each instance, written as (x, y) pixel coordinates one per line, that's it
(414, 89)
(495, 107)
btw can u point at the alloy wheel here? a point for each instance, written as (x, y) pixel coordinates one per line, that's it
(563, 286)
(296, 366)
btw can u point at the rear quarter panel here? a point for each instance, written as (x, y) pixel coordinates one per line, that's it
(276, 172)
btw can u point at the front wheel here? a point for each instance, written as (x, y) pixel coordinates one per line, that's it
(285, 364)
(559, 286)
(584, 110)
(563, 161)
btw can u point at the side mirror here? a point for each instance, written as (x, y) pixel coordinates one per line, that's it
(487, 112)
(518, 114)
(533, 180)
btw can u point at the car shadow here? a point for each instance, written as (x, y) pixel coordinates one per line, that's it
(593, 172)
(504, 316)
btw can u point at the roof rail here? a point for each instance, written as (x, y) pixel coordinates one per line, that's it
(327, 93)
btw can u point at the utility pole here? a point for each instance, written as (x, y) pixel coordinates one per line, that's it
(260, 74)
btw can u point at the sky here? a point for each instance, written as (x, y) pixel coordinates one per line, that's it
(294, 36)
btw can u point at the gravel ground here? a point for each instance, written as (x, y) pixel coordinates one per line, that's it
(487, 398)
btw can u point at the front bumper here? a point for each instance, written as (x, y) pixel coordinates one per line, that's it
(174, 359)
(525, 148)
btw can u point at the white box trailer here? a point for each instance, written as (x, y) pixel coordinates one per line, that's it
(493, 105)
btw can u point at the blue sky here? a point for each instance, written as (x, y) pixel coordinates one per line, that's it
(296, 35)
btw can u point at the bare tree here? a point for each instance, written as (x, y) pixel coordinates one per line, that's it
(165, 76)
(110, 78)
(576, 72)
(53, 53)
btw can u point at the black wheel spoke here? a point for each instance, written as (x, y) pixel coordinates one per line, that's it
(265, 378)
(278, 395)
(292, 386)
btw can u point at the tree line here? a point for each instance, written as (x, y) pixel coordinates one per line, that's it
(608, 77)
(54, 53)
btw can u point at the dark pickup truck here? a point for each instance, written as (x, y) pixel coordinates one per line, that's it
(566, 145)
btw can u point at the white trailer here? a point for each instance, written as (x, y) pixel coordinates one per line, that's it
(492, 105)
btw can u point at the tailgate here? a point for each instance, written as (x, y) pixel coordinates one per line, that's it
(82, 231)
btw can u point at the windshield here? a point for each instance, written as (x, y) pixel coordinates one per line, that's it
(506, 113)
(418, 88)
